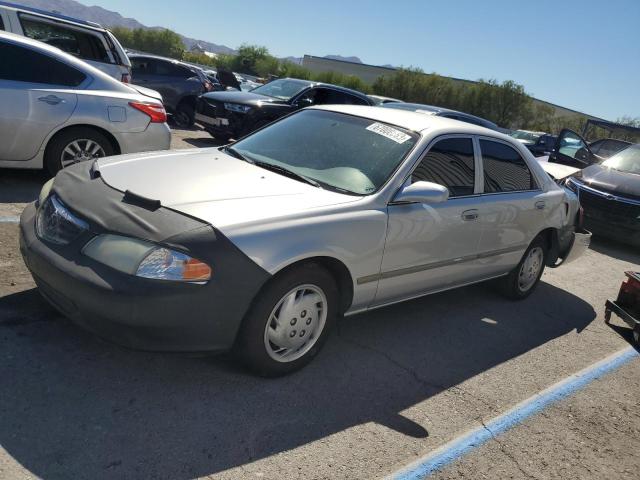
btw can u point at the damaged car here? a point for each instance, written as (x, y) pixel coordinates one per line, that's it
(257, 247)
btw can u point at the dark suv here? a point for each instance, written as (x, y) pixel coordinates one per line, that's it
(231, 114)
(179, 83)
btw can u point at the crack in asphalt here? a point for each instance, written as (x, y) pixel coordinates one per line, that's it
(419, 379)
(503, 448)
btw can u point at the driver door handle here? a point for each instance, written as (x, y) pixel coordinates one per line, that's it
(470, 215)
(51, 100)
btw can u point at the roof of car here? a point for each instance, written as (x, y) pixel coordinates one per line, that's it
(158, 57)
(434, 109)
(51, 14)
(413, 121)
(312, 83)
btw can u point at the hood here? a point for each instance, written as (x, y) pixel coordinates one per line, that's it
(557, 171)
(611, 181)
(244, 98)
(147, 92)
(214, 187)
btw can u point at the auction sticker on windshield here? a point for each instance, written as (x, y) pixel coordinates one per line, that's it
(389, 132)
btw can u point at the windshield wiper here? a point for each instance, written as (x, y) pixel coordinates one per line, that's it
(286, 172)
(235, 153)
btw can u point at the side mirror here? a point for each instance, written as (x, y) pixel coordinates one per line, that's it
(422, 192)
(304, 102)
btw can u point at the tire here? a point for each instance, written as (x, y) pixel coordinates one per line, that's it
(518, 287)
(59, 150)
(307, 286)
(185, 116)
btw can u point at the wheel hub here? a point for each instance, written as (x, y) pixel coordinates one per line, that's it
(296, 323)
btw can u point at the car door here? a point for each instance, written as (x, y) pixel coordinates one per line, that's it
(571, 149)
(36, 96)
(513, 209)
(431, 247)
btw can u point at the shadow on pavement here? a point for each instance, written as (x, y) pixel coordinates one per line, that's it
(201, 142)
(621, 251)
(20, 186)
(74, 407)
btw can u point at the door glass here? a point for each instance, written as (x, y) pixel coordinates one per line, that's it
(143, 66)
(24, 65)
(1, 24)
(449, 163)
(571, 144)
(78, 43)
(504, 169)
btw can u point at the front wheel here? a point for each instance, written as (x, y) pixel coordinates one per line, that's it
(523, 279)
(289, 321)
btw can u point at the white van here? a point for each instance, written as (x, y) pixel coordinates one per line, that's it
(85, 40)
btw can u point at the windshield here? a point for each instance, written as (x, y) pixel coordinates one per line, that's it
(283, 89)
(529, 136)
(627, 160)
(340, 152)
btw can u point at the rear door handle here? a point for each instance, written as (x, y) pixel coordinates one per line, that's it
(51, 100)
(540, 205)
(470, 215)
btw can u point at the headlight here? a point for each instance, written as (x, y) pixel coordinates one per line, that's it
(146, 259)
(44, 192)
(56, 224)
(235, 107)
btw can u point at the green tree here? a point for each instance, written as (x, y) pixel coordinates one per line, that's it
(160, 42)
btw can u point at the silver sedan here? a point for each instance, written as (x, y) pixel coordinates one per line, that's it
(259, 246)
(58, 110)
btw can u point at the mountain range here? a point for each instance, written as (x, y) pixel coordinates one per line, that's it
(108, 18)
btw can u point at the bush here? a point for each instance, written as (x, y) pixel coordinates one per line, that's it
(160, 42)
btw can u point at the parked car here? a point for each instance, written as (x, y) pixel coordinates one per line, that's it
(573, 150)
(444, 112)
(179, 83)
(538, 143)
(258, 246)
(85, 40)
(610, 195)
(231, 114)
(378, 100)
(58, 110)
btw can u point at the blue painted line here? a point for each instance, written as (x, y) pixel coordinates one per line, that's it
(460, 446)
(9, 219)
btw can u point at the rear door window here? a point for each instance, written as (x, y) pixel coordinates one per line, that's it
(169, 69)
(143, 66)
(82, 44)
(504, 169)
(25, 65)
(1, 23)
(329, 96)
(450, 163)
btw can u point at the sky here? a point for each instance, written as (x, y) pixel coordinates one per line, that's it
(583, 55)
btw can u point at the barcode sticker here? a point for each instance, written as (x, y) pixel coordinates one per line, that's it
(389, 132)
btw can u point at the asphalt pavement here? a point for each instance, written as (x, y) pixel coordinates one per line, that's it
(391, 386)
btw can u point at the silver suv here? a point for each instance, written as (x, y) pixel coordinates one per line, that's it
(58, 110)
(86, 40)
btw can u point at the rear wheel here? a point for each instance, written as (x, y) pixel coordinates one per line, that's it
(185, 116)
(76, 145)
(523, 279)
(289, 321)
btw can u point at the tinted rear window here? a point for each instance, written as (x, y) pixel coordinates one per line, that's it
(25, 65)
(85, 45)
(504, 169)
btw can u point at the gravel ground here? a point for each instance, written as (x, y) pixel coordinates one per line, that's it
(390, 386)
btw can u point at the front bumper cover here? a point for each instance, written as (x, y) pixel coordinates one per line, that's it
(132, 311)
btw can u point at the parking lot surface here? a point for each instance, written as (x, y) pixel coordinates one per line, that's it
(390, 386)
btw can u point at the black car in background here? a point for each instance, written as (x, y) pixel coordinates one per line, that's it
(232, 114)
(179, 83)
(573, 150)
(538, 143)
(609, 195)
(444, 112)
